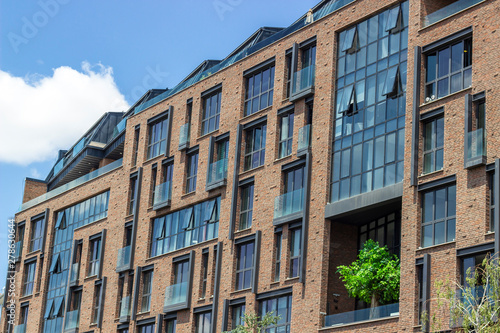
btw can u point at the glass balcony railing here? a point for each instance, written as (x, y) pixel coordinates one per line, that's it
(289, 203)
(217, 171)
(163, 193)
(123, 257)
(176, 294)
(125, 307)
(20, 328)
(72, 184)
(72, 319)
(449, 10)
(78, 147)
(475, 142)
(75, 271)
(389, 310)
(304, 138)
(18, 250)
(303, 79)
(184, 136)
(58, 166)
(120, 127)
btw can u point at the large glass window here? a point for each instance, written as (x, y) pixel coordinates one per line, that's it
(385, 230)
(204, 277)
(259, 91)
(295, 251)
(192, 172)
(78, 215)
(277, 258)
(438, 216)
(448, 70)
(255, 148)
(29, 278)
(368, 147)
(246, 212)
(157, 143)
(94, 256)
(433, 145)
(281, 306)
(147, 288)
(211, 113)
(150, 328)
(245, 265)
(133, 195)
(286, 135)
(36, 234)
(97, 300)
(237, 315)
(491, 190)
(186, 227)
(203, 322)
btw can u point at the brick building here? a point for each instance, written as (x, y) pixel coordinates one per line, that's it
(244, 187)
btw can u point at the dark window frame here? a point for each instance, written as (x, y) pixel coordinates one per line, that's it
(263, 91)
(246, 206)
(436, 144)
(29, 277)
(285, 144)
(255, 146)
(208, 114)
(192, 158)
(146, 289)
(446, 219)
(240, 274)
(154, 148)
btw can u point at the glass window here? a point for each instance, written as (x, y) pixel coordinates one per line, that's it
(171, 325)
(136, 147)
(154, 172)
(147, 287)
(157, 142)
(469, 266)
(211, 113)
(29, 278)
(438, 216)
(288, 75)
(369, 132)
(421, 297)
(385, 230)
(433, 145)
(259, 91)
(23, 320)
(280, 306)
(95, 250)
(133, 194)
(237, 315)
(203, 322)
(185, 227)
(204, 277)
(448, 70)
(491, 190)
(36, 234)
(295, 252)
(192, 171)
(146, 328)
(255, 148)
(97, 300)
(246, 207)
(286, 135)
(245, 266)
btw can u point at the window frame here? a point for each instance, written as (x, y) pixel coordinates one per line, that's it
(240, 273)
(268, 68)
(436, 144)
(146, 289)
(295, 235)
(253, 153)
(278, 251)
(205, 316)
(154, 125)
(246, 206)
(192, 170)
(446, 219)
(37, 226)
(285, 144)
(94, 256)
(208, 115)
(29, 277)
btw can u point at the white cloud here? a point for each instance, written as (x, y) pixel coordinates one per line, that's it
(35, 173)
(41, 114)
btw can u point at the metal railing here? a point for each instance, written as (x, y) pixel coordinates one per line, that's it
(176, 294)
(289, 203)
(72, 184)
(217, 171)
(303, 79)
(449, 10)
(389, 310)
(163, 193)
(123, 257)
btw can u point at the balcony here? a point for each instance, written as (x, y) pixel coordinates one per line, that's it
(304, 140)
(125, 309)
(184, 137)
(449, 10)
(18, 251)
(20, 328)
(303, 83)
(163, 195)
(476, 149)
(123, 261)
(74, 273)
(217, 174)
(176, 297)
(345, 318)
(72, 321)
(288, 206)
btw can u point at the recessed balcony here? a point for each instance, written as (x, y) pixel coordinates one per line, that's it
(288, 206)
(123, 261)
(217, 174)
(303, 83)
(163, 195)
(176, 297)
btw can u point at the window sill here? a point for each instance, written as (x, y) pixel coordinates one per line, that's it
(241, 291)
(243, 231)
(424, 175)
(256, 113)
(185, 195)
(88, 278)
(25, 297)
(291, 278)
(249, 171)
(32, 254)
(180, 250)
(281, 159)
(204, 136)
(434, 246)
(92, 223)
(444, 97)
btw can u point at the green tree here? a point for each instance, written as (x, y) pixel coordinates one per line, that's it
(253, 322)
(474, 304)
(374, 277)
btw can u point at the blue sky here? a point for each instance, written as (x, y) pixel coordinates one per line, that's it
(65, 62)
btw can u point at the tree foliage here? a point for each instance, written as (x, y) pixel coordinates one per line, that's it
(374, 277)
(253, 322)
(474, 306)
